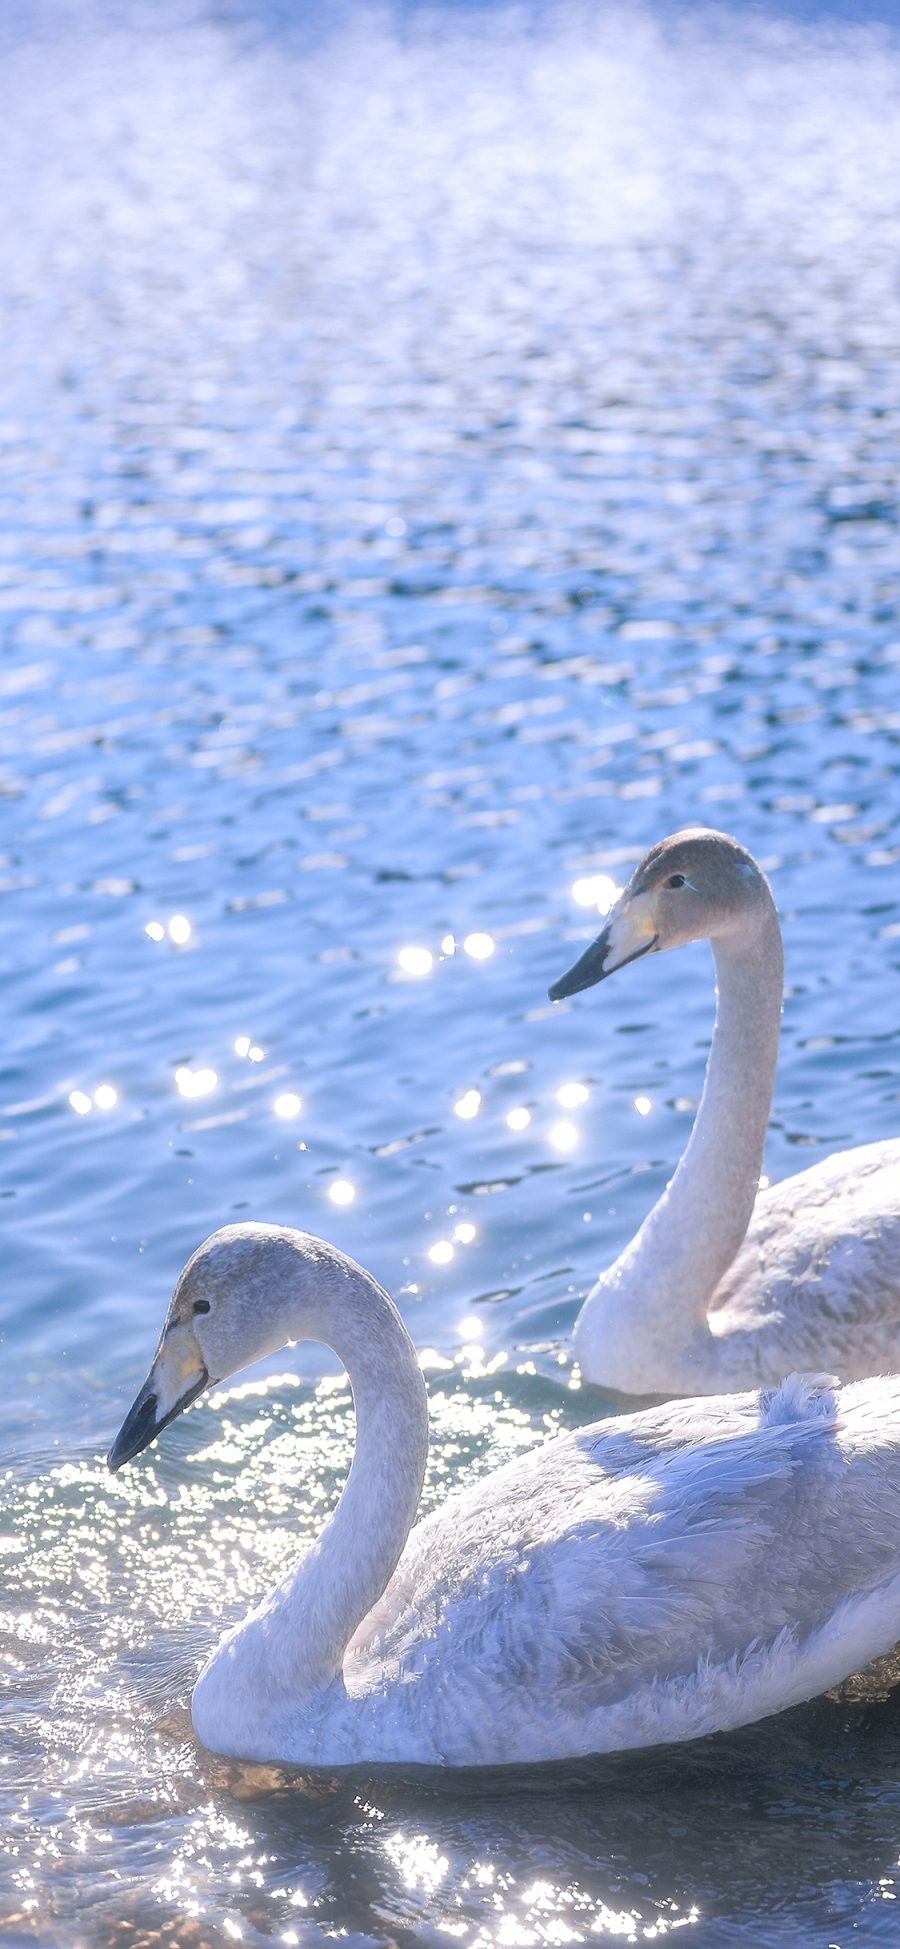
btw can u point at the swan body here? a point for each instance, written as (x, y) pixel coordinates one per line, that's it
(656, 1576)
(725, 1286)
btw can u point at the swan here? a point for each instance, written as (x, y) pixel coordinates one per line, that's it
(723, 1288)
(673, 1572)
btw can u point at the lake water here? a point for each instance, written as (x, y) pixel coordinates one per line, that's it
(443, 450)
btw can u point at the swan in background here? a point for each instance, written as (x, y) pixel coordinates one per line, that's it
(722, 1288)
(664, 1574)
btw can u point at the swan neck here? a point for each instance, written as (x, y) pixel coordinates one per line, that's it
(306, 1623)
(658, 1293)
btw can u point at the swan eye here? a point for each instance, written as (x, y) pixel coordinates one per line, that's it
(676, 880)
(201, 1306)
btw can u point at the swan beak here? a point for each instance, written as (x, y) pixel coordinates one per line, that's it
(176, 1378)
(629, 932)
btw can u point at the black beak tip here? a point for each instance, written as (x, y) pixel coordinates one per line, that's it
(588, 970)
(143, 1423)
(137, 1431)
(119, 1453)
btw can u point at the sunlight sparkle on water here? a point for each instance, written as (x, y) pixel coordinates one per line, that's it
(416, 961)
(570, 1095)
(563, 1135)
(106, 1096)
(468, 1105)
(596, 890)
(465, 1231)
(342, 1192)
(418, 1861)
(441, 1252)
(479, 946)
(320, 731)
(287, 1105)
(195, 1082)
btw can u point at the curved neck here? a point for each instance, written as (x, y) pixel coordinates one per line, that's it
(303, 1627)
(659, 1290)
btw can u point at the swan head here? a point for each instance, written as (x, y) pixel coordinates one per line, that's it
(244, 1293)
(696, 885)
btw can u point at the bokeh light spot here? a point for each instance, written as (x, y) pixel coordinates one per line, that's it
(570, 1095)
(416, 961)
(195, 1082)
(479, 946)
(596, 890)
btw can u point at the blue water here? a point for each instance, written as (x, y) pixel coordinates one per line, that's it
(442, 450)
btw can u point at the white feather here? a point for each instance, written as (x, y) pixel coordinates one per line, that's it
(723, 1287)
(650, 1578)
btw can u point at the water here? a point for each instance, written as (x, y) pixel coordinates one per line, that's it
(443, 450)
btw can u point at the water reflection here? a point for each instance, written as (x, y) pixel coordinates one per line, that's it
(479, 947)
(195, 1082)
(249, 1050)
(436, 459)
(605, 1849)
(596, 890)
(570, 1096)
(416, 961)
(287, 1106)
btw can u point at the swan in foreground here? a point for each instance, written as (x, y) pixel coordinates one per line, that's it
(722, 1288)
(653, 1577)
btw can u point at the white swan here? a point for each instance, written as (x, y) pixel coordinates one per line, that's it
(722, 1288)
(653, 1577)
